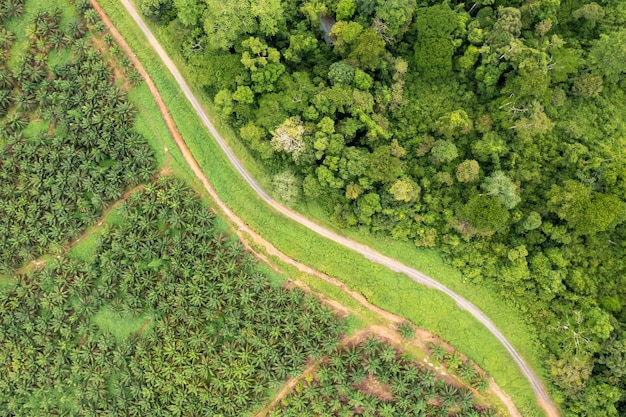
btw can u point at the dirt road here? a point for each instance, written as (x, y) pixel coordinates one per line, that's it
(393, 264)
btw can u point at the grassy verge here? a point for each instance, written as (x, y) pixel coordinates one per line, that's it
(119, 325)
(6, 282)
(394, 292)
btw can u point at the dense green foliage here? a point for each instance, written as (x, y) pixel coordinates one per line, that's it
(372, 378)
(216, 337)
(491, 130)
(59, 173)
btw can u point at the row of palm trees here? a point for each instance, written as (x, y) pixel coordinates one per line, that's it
(374, 379)
(56, 182)
(218, 338)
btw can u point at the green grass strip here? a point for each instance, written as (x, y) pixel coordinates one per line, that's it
(120, 326)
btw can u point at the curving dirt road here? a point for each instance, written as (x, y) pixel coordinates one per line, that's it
(542, 396)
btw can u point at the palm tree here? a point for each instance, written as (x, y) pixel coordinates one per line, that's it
(449, 395)
(480, 383)
(6, 39)
(465, 399)
(387, 353)
(91, 16)
(427, 378)
(356, 399)
(76, 29)
(437, 351)
(373, 365)
(134, 77)
(467, 371)
(386, 410)
(13, 8)
(15, 122)
(453, 360)
(6, 99)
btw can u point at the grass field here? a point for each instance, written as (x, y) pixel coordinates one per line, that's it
(394, 292)
(6, 282)
(119, 325)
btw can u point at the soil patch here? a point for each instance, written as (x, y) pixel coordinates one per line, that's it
(120, 80)
(372, 387)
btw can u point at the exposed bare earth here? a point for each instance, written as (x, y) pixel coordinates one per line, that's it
(245, 232)
(373, 387)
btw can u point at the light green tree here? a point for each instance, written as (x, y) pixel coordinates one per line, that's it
(405, 190)
(341, 73)
(500, 186)
(608, 54)
(434, 47)
(288, 137)
(345, 34)
(482, 216)
(264, 64)
(586, 211)
(345, 9)
(453, 123)
(368, 205)
(286, 187)
(368, 50)
(227, 21)
(467, 171)
(588, 85)
(532, 221)
(190, 11)
(444, 151)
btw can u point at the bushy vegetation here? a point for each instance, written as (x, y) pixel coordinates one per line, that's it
(67, 146)
(216, 335)
(372, 378)
(490, 130)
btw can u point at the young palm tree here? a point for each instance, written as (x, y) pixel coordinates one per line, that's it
(134, 77)
(6, 39)
(453, 360)
(467, 371)
(437, 351)
(480, 383)
(13, 8)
